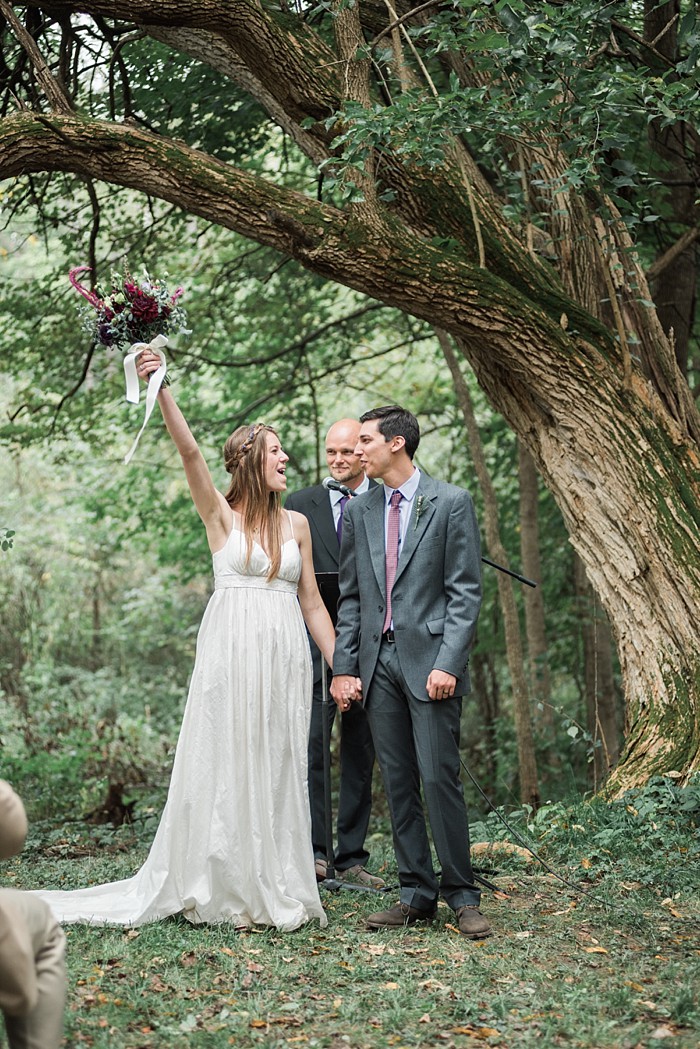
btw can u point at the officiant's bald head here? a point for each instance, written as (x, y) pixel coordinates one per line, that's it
(343, 464)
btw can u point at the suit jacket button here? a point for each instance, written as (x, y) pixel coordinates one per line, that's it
(375, 637)
(381, 608)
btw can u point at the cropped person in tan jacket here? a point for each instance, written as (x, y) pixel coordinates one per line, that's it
(32, 949)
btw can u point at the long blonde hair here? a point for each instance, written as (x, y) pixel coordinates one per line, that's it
(245, 458)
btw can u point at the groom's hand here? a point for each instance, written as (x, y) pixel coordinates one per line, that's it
(441, 685)
(345, 690)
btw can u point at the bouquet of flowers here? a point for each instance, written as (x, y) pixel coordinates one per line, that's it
(131, 311)
(135, 315)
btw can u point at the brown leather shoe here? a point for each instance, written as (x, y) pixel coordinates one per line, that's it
(357, 875)
(472, 923)
(321, 869)
(398, 917)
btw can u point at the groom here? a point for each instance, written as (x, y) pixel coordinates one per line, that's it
(410, 592)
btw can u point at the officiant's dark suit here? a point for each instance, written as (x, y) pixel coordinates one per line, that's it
(356, 748)
(414, 668)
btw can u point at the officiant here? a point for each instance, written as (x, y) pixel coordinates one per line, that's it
(324, 510)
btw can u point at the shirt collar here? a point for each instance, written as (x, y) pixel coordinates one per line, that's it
(408, 488)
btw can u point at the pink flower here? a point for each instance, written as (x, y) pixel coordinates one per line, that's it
(91, 296)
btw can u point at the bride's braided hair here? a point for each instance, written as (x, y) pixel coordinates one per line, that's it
(245, 454)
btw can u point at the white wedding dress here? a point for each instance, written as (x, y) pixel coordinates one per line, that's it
(234, 840)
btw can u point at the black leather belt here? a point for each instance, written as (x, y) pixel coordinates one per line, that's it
(388, 636)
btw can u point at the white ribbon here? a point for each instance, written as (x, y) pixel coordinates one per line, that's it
(154, 383)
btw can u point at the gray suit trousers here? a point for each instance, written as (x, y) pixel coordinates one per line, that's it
(417, 742)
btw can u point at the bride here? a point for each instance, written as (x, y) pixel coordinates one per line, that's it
(234, 840)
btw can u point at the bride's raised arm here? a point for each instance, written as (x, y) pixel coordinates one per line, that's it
(208, 500)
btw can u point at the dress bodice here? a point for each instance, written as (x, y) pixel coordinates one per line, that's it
(230, 569)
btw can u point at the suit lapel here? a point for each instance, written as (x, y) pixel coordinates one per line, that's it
(374, 525)
(421, 514)
(324, 524)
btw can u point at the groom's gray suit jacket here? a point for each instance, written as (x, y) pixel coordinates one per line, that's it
(436, 594)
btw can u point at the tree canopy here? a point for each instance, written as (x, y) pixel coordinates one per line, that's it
(508, 173)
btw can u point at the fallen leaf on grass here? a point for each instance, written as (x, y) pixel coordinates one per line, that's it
(567, 910)
(594, 950)
(391, 987)
(425, 1019)
(285, 1021)
(476, 1032)
(188, 959)
(635, 986)
(663, 1032)
(489, 848)
(254, 967)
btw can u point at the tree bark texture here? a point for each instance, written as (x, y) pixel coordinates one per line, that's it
(615, 435)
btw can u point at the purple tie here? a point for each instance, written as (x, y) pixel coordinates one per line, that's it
(392, 551)
(339, 527)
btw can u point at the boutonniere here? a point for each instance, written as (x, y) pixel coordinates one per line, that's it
(419, 510)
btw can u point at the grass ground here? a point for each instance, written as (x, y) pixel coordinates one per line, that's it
(561, 968)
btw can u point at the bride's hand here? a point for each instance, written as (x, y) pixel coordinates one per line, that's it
(148, 363)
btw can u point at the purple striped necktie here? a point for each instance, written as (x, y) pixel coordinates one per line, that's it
(392, 551)
(339, 527)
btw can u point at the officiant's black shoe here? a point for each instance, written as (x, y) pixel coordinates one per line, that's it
(472, 923)
(399, 916)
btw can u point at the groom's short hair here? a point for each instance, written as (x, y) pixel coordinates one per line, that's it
(395, 421)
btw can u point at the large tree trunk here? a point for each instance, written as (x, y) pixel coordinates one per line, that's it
(615, 435)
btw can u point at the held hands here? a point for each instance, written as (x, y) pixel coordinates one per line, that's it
(441, 685)
(346, 690)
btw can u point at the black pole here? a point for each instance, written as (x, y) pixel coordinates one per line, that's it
(328, 805)
(520, 578)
